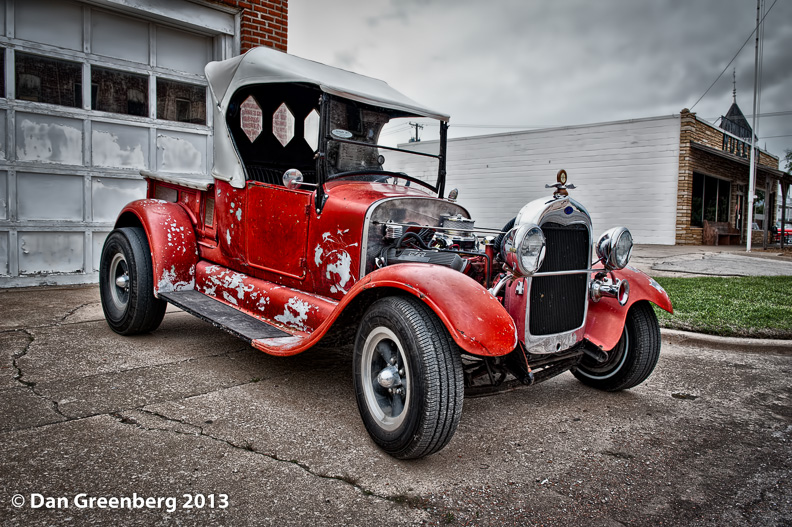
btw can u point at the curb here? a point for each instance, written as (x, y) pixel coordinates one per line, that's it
(674, 336)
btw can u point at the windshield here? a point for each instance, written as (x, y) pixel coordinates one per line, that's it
(373, 144)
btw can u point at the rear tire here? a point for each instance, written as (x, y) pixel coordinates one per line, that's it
(126, 283)
(633, 358)
(408, 378)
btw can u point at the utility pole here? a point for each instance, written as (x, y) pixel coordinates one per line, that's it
(416, 139)
(752, 169)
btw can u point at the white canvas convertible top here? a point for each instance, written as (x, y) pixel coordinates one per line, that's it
(267, 65)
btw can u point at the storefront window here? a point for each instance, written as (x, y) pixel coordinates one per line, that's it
(119, 92)
(759, 208)
(710, 201)
(52, 81)
(178, 101)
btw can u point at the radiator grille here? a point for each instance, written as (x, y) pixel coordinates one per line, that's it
(558, 303)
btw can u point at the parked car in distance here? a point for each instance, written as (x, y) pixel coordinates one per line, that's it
(776, 231)
(311, 229)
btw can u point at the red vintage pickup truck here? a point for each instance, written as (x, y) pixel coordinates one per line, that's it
(311, 225)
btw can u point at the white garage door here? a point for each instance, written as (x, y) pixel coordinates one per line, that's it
(89, 97)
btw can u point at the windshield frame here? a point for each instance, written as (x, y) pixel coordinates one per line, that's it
(323, 170)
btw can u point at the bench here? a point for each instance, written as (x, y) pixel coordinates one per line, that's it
(720, 233)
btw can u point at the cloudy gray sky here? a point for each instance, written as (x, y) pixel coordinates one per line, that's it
(527, 63)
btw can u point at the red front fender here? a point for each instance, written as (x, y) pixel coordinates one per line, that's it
(605, 320)
(174, 251)
(476, 320)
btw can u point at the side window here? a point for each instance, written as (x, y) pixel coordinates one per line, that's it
(275, 128)
(283, 124)
(48, 80)
(182, 102)
(251, 120)
(119, 92)
(311, 130)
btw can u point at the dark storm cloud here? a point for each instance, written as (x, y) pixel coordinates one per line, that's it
(556, 63)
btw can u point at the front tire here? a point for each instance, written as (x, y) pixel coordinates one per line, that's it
(408, 378)
(126, 283)
(633, 358)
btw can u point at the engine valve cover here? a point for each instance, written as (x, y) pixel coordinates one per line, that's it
(447, 259)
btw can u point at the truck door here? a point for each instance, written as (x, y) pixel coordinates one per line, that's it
(277, 228)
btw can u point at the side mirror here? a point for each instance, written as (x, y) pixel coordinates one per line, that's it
(292, 178)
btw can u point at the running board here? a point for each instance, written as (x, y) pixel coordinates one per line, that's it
(223, 316)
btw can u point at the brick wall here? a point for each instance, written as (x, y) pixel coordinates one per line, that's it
(685, 234)
(692, 160)
(264, 22)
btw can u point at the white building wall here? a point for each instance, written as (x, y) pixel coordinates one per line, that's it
(625, 173)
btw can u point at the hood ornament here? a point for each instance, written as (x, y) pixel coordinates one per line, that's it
(561, 187)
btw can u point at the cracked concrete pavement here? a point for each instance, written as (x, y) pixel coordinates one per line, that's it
(189, 409)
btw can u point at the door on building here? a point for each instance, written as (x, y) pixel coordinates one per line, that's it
(738, 215)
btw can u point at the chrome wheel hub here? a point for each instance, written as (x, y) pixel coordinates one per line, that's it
(385, 378)
(389, 377)
(120, 281)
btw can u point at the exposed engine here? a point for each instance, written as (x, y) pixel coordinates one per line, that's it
(453, 244)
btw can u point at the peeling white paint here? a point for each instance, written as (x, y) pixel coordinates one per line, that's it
(228, 236)
(236, 281)
(318, 255)
(168, 283)
(337, 261)
(230, 298)
(656, 285)
(262, 304)
(341, 269)
(239, 214)
(281, 343)
(295, 314)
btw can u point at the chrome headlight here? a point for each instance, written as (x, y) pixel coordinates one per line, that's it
(524, 249)
(614, 248)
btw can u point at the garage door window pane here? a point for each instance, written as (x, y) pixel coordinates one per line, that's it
(119, 92)
(182, 51)
(54, 22)
(2, 73)
(120, 37)
(52, 81)
(177, 101)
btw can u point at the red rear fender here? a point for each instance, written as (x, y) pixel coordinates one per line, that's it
(174, 251)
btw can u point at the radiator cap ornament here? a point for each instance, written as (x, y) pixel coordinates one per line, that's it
(561, 186)
(561, 177)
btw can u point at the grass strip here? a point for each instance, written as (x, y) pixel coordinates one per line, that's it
(750, 306)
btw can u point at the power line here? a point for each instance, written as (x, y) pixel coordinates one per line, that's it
(734, 57)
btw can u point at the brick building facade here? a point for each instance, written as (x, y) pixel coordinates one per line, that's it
(263, 23)
(712, 158)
